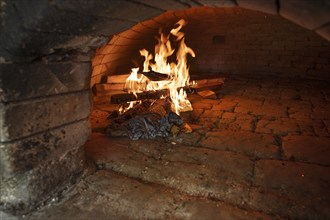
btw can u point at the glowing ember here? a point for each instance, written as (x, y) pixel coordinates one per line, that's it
(178, 72)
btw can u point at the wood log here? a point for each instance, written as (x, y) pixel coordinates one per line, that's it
(155, 76)
(127, 97)
(207, 94)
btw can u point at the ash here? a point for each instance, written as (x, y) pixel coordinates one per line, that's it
(147, 120)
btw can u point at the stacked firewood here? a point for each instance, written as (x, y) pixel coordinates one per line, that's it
(113, 90)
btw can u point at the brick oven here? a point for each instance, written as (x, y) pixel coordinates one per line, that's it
(259, 147)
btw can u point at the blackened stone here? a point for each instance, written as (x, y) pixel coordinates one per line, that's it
(127, 10)
(25, 81)
(23, 192)
(22, 119)
(309, 14)
(26, 154)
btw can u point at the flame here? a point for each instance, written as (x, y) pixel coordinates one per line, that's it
(178, 71)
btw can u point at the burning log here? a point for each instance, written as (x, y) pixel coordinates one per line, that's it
(128, 97)
(155, 76)
(201, 85)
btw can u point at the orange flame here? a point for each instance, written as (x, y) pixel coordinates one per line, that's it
(178, 71)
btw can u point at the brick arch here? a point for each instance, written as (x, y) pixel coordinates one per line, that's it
(257, 42)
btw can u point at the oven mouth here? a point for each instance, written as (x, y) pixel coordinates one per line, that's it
(257, 132)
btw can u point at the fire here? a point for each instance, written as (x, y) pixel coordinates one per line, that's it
(177, 72)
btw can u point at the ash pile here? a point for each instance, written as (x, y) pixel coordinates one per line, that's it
(147, 120)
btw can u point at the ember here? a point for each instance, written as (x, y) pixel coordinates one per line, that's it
(145, 121)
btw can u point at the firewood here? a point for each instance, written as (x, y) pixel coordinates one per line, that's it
(155, 76)
(128, 97)
(207, 94)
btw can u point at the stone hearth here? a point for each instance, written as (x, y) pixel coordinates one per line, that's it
(261, 150)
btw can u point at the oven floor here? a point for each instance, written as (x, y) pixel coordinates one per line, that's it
(259, 151)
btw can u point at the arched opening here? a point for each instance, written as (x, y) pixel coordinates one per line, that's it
(47, 65)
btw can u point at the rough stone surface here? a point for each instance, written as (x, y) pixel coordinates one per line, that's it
(308, 149)
(42, 114)
(259, 162)
(255, 145)
(269, 7)
(168, 5)
(290, 189)
(296, 11)
(172, 165)
(115, 9)
(218, 3)
(25, 81)
(23, 192)
(25, 154)
(324, 32)
(110, 195)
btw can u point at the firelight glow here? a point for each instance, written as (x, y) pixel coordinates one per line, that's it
(178, 72)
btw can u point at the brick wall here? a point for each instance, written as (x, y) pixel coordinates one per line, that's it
(228, 40)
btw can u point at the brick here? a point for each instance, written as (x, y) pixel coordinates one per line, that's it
(306, 126)
(201, 105)
(321, 112)
(248, 106)
(26, 154)
(252, 144)
(22, 119)
(25, 81)
(307, 148)
(211, 114)
(308, 14)
(320, 129)
(281, 126)
(225, 106)
(280, 189)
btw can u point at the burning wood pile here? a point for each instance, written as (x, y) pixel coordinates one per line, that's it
(155, 97)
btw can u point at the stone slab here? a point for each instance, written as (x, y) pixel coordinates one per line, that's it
(168, 5)
(22, 119)
(290, 189)
(118, 9)
(269, 7)
(194, 171)
(324, 32)
(218, 3)
(245, 142)
(309, 14)
(25, 81)
(25, 154)
(109, 195)
(307, 148)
